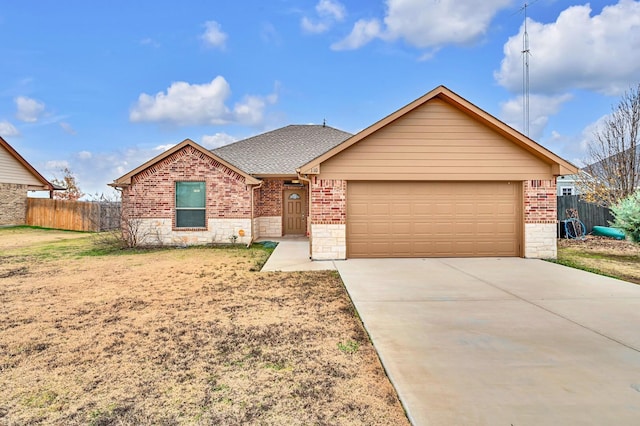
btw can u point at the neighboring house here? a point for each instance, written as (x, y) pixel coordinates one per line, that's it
(570, 184)
(438, 178)
(17, 177)
(567, 185)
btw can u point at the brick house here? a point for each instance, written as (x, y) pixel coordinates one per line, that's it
(17, 177)
(438, 178)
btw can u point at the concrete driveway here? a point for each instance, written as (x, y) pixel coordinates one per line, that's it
(502, 341)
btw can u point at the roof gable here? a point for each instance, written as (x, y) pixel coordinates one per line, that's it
(559, 165)
(38, 182)
(125, 180)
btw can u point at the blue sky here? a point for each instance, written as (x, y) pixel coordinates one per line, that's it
(101, 87)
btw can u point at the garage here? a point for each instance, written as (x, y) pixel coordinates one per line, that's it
(433, 219)
(439, 177)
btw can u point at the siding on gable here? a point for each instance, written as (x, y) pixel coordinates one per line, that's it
(435, 142)
(11, 171)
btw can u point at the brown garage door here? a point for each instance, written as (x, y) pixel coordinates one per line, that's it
(433, 219)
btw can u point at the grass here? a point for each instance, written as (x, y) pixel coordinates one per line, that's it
(349, 347)
(178, 336)
(608, 257)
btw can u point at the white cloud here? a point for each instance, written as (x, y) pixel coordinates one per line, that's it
(213, 35)
(164, 147)
(217, 140)
(269, 34)
(575, 147)
(84, 155)
(7, 129)
(200, 104)
(328, 11)
(94, 170)
(54, 166)
(67, 128)
(331, 8)
(251, 110)
(149, 42)
(363, 32)
(440, 22)
(185, 104)
(540, 109)
(313, 27)
(29, 110)
(427, 24)
(599, 53)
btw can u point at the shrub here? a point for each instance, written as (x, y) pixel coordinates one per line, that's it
(626, 215)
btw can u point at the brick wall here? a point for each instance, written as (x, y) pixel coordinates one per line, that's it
(328, 201)
(13, 204)
(540, 218)
(152, 193)
(269, 198)
(328, 219)
(540, 202)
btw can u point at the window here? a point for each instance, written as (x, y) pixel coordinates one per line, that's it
(190, 205)
(294, 196)
(567, 191)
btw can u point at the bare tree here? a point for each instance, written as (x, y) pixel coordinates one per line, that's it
(135, 230)
(613, 170)
(68, 181)
(132, 231)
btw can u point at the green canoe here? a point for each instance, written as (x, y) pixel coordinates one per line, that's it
(605, 231)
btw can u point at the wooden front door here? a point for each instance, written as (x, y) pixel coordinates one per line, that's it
(295, 212)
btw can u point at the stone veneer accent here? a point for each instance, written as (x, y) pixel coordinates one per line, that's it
(158, 232)
(329, 241)
(13, 204)
(328, 219)
(151, 199)
(540, 219)
(540, 240)
(267, 226)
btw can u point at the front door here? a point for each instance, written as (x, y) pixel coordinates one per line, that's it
(295, 212)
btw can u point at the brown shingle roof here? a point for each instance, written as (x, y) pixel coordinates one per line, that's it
(281, 151)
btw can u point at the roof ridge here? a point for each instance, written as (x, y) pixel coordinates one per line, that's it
(282, 150)
(264, 134)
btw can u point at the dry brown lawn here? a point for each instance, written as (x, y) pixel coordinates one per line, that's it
(607, 256)
(178, 336)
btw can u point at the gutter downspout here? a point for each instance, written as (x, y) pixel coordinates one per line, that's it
(304, 179)
(253, 237)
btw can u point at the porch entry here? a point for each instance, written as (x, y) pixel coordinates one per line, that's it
(295, 212)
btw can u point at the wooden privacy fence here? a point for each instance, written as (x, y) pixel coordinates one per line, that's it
(590, 214)
(73, 215)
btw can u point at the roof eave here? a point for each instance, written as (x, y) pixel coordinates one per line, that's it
(125, 180)
(455, 100)
(45, 183)
(560, 166)
(274, 175)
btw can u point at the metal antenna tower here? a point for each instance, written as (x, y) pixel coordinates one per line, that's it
(525, 72)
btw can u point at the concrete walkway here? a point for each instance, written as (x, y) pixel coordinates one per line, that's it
(292, 254)
(502, 341)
